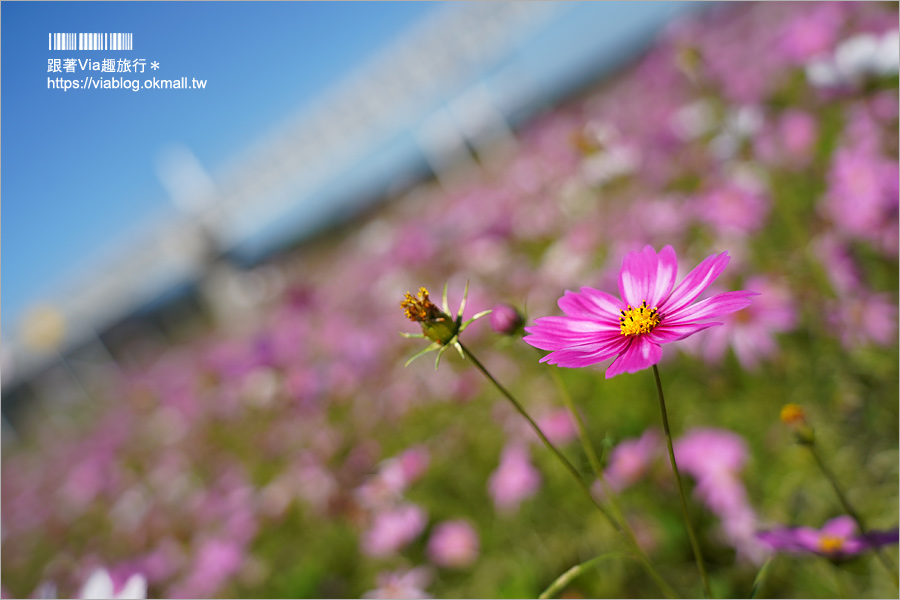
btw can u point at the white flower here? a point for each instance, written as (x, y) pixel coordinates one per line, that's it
(99, 586)
(855, 58)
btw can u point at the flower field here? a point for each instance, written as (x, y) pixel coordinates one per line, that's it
(291, 453)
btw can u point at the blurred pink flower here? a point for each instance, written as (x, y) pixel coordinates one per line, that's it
(812, 32)
(865, 318)
(217, 560)
(733, 208)
(862, 195)
(790, 142)
(837, 538)
(515, 478)
(393, 529)
(393, 477)
(798, 132)
(598, 326)
(838, 264)
(751, 332)
(632, 458)
(315, 483)
(558, 426)
(401, 584)
(701, 452)
(453, 544)
(714, 458)
(413, 463)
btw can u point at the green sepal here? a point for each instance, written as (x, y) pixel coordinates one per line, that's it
(483, 313)
(437, 361)
(433, 346)
(444, 305)
(462, 305)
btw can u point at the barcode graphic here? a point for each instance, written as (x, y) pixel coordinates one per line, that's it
(91, 41)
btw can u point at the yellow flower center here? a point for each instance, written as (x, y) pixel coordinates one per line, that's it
(420, 308)
(792, 414)
(830, 544)
(635, 321)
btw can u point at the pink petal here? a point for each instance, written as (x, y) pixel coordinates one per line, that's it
(640, 354)
(575, 326)
(695, 282)
(807, 538)
(606, 303)
(841, 527)
(663, 334)
(596, 305)
(591, 354)
(647, 277)
(710, 308)
(666, 270)
(556, 333)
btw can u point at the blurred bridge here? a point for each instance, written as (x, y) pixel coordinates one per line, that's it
(463, 79)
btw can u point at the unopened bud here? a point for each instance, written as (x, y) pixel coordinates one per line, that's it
(794, 417)
(792, 414)
(506, 320)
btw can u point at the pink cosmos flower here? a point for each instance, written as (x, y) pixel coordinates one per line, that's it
(217, 560)
(631, 459)
(598, 326)
(812, 33)
(836, 538)
(868, 318)
(789, 141)
(401, 584)
(393, 529)
(751, 333)
(453, 544)
(515, 479)
(862, 192)
(714, 458)
(733, 209)
(558, 426)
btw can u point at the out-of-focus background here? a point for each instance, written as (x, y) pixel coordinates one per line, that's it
(202, 377)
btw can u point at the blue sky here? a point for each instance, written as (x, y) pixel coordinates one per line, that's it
(78, 166)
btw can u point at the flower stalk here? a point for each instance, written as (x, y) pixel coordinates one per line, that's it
(850, 510)
(586, 445)
(570, 468)
(698, 557)
(594, 460)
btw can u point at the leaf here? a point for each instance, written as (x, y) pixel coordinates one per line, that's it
(566, 578)
(761, 577)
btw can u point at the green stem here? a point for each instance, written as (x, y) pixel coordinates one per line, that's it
(579, 423)
(665, 587)
(594, 460)
(684, 509)
(842, 498)
(761, 577)
(566, 578)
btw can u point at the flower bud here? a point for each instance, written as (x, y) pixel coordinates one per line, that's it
(792, 414)
(794, 417)
(506, 320)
